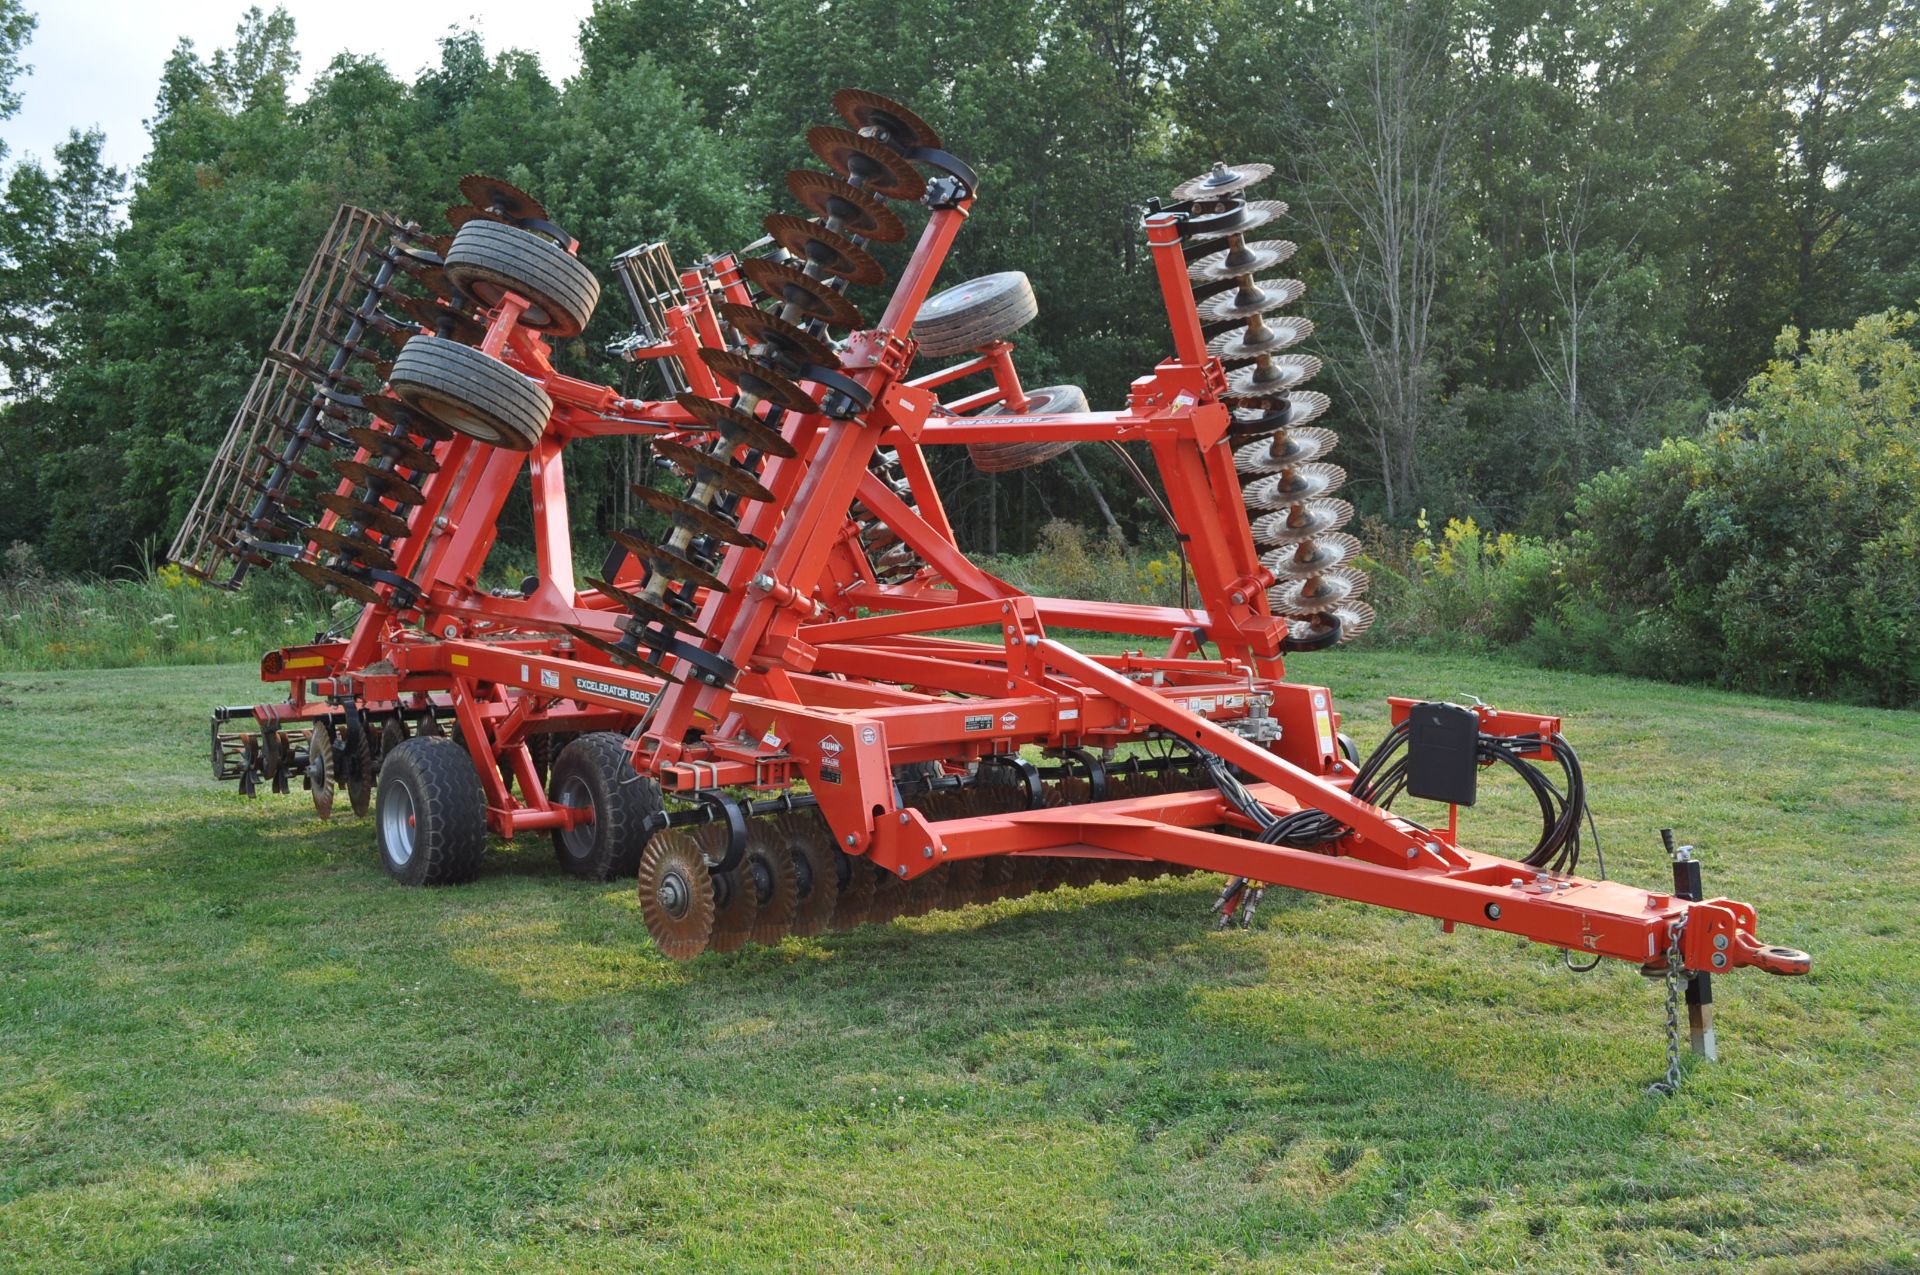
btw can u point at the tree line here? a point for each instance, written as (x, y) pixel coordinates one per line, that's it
(1540, 236)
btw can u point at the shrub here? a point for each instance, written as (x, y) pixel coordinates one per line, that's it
(1779, 550)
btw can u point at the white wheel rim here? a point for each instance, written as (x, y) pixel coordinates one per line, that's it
(397, 823)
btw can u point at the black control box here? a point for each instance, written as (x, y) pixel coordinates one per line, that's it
(1443, 753)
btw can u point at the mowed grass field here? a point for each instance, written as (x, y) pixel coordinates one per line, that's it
(228, 1042)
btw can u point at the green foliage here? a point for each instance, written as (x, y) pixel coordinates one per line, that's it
(1469, 589)
(1069, 562)
(1778, 552)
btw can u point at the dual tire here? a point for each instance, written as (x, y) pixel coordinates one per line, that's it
(430, 814)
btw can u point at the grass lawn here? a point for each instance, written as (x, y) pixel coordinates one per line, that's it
(229, 1043)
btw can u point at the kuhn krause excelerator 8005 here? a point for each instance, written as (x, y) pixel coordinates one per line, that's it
(763, 710)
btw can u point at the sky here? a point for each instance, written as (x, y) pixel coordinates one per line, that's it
(98, 62)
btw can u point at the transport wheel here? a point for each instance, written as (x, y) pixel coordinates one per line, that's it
(430, 815)
(1051, 400)
(593, 773)
(470, 393)
(975, 313)
(487, 260)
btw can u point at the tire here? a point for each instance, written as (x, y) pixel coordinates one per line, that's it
(488, 260)
(471, 393)
(430, 816)
(593, 771)
(1052, 400)
(975, 313)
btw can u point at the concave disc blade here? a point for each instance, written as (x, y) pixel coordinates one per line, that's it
(645, 608)
(497, 196)
(702, 522)
(757, 327)
(1221, 181)
(405, 453)
(366, 551)
(828, 249)
(858, 212)
(1249, 217)
(1239, 261)
(735, 904)
(1300, 522)
(1299, 408)
(768, 868)
(328, 578)
(715, 471)
(853, 902)
(1273, 374)
(1284, 450)
(866, 163)
(676, 894)
(669, 563)
(1302, 482)
(619, 654)
(889, 121)
(1312, 557)
(815, 875)
(759, 380)
(373, 517)
(389, 484)
(1317, 594)
(1263, 336)
(1245, 302)
(812, 298)
(394, 412)
(737, 427)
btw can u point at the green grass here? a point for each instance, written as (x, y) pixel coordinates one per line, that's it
(229, 1042)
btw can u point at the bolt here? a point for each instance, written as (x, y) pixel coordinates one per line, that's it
(1010, 630)
(1493, 911)
(852, 840)
(1433, 848)
(1006, 608)
(1719, 960)
(1239, 597)
(1413, 852)
(926, 852)
(1720, 941)
(902, 869)
(903, 816)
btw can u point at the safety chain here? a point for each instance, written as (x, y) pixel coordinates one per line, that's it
(1676, 974)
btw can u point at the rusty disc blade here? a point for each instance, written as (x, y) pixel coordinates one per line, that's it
(1355, 618)
(1262, 336)
(1303, 521)
(669, 563)
(1273, 374)
(435, 316)
(494, 195)
(625, 656)
(737, 427)
(1221, 181)
(811, 298)
(389, 484)
(356, 547)
(1312, 557)
(459, 215)
(376, 518)
(702, 522)
(768, 868)
(1240, 260)
(830, 250)
(757, 327)
(387, 408)
(858, 212)
(1316, 594)
(646, 608)
(891, 895)
(1245, 302)
(884, 119)
(715, 471)
(1299, 408)
(815, 876)
(1290, 486)
(315, 372)
(1249, 217)
(404, 453)
(853, 901)
(341, 583)
(866, 163)
(735, 903)
(1284, 450)
(676, 894)
(759, 380)
(964, 882)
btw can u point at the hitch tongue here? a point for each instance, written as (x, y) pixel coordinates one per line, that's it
(1773, 959)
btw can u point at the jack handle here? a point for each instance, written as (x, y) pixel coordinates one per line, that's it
(1749, 950)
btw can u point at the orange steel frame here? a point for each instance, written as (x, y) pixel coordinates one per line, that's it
(844, 677)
